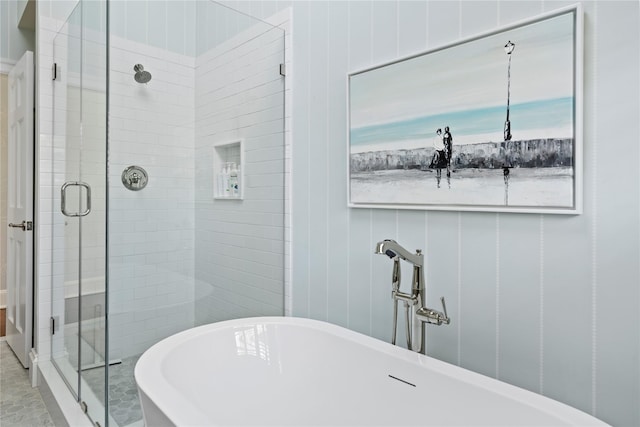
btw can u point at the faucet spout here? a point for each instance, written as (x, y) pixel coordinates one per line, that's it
(391, 248)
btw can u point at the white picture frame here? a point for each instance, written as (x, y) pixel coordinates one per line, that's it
(512, 101)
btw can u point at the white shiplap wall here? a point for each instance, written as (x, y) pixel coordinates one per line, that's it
(549, 303)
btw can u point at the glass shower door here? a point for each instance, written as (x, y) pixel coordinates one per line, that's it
(78, 207)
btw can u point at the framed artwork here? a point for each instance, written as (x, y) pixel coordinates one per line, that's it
(489, 123)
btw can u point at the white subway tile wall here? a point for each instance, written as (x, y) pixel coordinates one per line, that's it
(151, 231)
(152, 235)
(239, 243)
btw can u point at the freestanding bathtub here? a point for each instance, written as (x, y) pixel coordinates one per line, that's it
(284, 371)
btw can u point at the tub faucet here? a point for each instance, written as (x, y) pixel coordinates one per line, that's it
(416, 298)
(393, 250)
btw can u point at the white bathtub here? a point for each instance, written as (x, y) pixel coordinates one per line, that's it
(290, 371)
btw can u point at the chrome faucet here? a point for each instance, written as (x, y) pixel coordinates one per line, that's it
(393, 250)
(416, 298)
(434, 317)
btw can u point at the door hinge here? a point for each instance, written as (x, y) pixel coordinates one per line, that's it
(84, 406)
(54, 71)
(53, 323)
(283, 70)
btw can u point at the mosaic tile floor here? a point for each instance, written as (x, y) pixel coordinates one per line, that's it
(124, 405)
(20, 404)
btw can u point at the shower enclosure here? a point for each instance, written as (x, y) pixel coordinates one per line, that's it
(157, 106)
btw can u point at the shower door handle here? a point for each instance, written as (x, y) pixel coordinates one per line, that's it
(63, 198)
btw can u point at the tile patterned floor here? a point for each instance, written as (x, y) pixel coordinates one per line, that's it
(124, 405)
(20, 404)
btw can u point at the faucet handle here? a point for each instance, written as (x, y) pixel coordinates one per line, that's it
(434, 317)
(446, 318)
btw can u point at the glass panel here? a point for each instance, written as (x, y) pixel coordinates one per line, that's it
(178, 257)
(239, 95)
(78, 206)
(92, 171)
(65, 230)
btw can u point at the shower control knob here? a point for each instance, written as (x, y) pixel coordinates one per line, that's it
(135, 178)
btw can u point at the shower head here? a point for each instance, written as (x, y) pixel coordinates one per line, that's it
(141, 75)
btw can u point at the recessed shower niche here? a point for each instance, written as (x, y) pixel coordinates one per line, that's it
(228, 165)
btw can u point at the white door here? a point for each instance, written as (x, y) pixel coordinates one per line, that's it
(20, 209)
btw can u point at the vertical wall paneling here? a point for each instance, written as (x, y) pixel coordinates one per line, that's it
(527, 293)
(478, 288)
(509, 11)
(617, 290)
(190, 28)
(176, 32)
(412, 28)
(118, 19)
(360, 280)
(384, 35)
(360, 16)
(269, 7)
(443, 24)
(519, 244)
(300, 158)
(591, 158)
(567, 339)
(158, 22)
(384, 47)
(442, 280)
(337, 212)
(318, 165)
(478, 17)
(136, 24)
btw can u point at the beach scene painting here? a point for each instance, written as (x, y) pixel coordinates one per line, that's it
(489, 123)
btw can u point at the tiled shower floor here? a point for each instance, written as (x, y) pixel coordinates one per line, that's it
(20, 404)
(124, 405)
